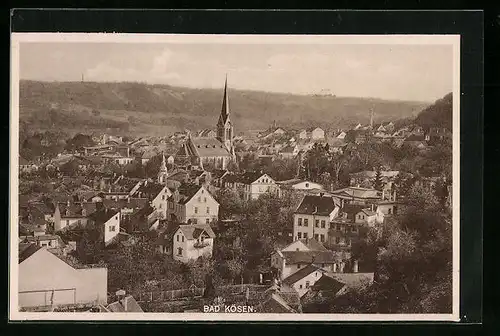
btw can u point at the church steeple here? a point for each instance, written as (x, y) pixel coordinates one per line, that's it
(163, 173)
(224, 125)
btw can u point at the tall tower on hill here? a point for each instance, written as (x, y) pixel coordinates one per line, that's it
(224, 125)
(163, 173)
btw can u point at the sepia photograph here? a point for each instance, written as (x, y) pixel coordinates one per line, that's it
(234, 177)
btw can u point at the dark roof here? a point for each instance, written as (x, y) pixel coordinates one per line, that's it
(102, 216)
(151, 189)
(313, 244)
(308, 257)
(245, 177)
(26, 250)
(75, 209)
(358, 192)
(300, 274)
(210, 147)
(130, 302)
(327, 283)
(318, 205)
(131, 203)
(187, 191)
(193, 231)
(218, 173)
(275, 304)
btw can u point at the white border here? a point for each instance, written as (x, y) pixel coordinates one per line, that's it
(17, 38)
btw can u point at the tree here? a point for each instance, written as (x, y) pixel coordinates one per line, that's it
(236, 268)
(377, 183)
(79, 141)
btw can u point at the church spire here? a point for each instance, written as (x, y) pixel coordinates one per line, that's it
(224, 113)
(163, 173)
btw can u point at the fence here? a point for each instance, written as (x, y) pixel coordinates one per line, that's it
(172, 295)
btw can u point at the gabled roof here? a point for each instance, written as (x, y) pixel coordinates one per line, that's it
(316, 204)
(218, 173)
(245, 177)
(26, 250)
(313, 244)
(193, 231)
(328, 283)
(75, 209)
(150, 188)
(207, 147)
(102, 216)
(357, 192)
(187, 191)
(130, 303)
(301, 274)
(308, 257)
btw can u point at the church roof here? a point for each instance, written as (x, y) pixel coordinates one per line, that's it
(208, 147)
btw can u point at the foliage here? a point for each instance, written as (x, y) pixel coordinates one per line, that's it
(79, 141)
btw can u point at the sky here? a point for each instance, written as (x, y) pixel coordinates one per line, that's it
(396, 72)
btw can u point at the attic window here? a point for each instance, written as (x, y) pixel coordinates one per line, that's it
(213, 146)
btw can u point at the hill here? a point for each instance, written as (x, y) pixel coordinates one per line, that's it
(138, 108)
(439, 114)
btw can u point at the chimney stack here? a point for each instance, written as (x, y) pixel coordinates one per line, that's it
(355, 267)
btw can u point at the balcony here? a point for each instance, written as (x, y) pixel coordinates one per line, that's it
(201, 244)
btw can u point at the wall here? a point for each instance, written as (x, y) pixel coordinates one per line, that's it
(300, 286)
(43, 272)
(201, 201)
(310, 229)
(307, 185)
(189, 252)
(114, 222)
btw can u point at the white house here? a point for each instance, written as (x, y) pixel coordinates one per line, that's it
(72, 214)
(107, 222)
(304, 279)
(252, 184)
(44, 279)
(193, 204)
(157, 194)
(192, 241)
(301, 185)
(312, 217)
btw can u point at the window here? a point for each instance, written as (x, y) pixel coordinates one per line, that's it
(322, 265)
(307, 185)
(316, 236)
(163, 197)
(204, 200)
(298, 266)
(116, 217)
(208, 221)
(182, 239)
(44, 244)
(195, 210)
(306, 222)
(50, 242)
(305, 235)
(177, 237)
(307, 284)
(299, 235)
(112, 228)
(199, 199)
(299, 221)
(316, 223)
(323, 224)
(389, 211)
(161, 205)
(195, 220)
(337, 240)
(322, 238)
(179, 251)
(300, 286)
(208, 210)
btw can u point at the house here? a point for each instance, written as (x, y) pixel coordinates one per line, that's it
(117, 159)
(357, 195)
(216, 151)
(252, 184)
(312, 217)
(313, 133)
(25, 166)
(289, 151)
(304, 279)
(146, 156)
(332, 285)
(303, 252)
(72, 214)
(192, 241)
(280, 300)
(94, 150)
(437, 134)
(341, 135)
(107, 223)
(43, 240)
(299, 185)
(157, 194)
(45, 280)
(124, 304)
(367, 178)
(126, 207)
(416, 141)
(192, 204)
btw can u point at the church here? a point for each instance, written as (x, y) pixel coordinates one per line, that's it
(212, 151)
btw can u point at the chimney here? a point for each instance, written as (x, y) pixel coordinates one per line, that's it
(355, 267)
